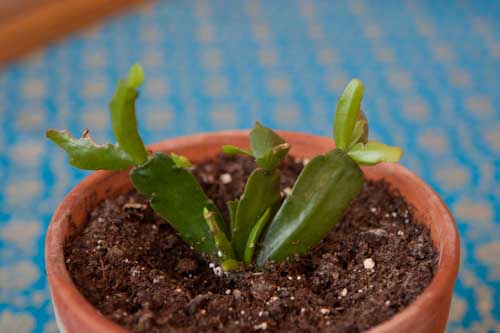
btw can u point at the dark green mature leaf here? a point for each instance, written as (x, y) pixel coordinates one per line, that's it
(374, 152)
(319, 197)
(175, 194)
(347, 113)
(254, 236)
(262, 191)
(268, 147)
(123, 116)
(84, 153)
(262, 139)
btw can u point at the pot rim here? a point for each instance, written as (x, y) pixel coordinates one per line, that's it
(62, 286)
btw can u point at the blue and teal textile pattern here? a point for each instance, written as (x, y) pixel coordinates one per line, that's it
(432, 85)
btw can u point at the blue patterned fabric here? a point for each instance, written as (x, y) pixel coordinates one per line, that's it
(432, 85)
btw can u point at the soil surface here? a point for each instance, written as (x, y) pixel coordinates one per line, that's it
(131, 266)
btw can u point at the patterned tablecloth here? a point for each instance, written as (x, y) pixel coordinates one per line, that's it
(432, 85)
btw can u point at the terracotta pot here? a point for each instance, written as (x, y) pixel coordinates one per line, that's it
(428, 313)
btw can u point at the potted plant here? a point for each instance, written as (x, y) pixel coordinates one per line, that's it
(176, 237)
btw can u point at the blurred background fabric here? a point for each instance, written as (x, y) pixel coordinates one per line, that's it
(432, 85)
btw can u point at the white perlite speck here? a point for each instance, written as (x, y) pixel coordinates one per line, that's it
(261, 326)
(226, 178)
(324, 311)
(343, 293)
(368, 263)
(218, 271)
(287, 190)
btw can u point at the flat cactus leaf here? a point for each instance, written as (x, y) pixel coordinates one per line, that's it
(273, 156)
(374, 152)
(225, 249)
(262, 191)
(232, 206)
(360, 131)
(123, 117)
(347, 113)
(175, 194)
(85, 154)
(262, 139)
(254, 236)
(317, 202)
(268, 147)
(180, 161)
(233, 150)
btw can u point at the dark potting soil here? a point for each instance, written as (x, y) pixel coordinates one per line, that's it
(132, 266)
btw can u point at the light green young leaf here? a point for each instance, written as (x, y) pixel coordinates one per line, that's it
(225, 249)
(232, 207)
(233, 150)
(254, 236)
(85, 154)
(180, 161)
(175, 194)
(347, 113)
(374, 152)
(135, 76)
(123, 115)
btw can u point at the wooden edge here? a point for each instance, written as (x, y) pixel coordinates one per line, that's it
(21, 33)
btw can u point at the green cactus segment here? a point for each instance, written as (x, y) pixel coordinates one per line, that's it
(347, 113)
(319, 197)
(175, 194)
(85, 154)
(123, 116)
(233, 150)
(180, 161)
(262, 139)
(232, 207)
(360, 131)
(224, 248)
(268, 148)
(262, 191)
(374, 152)
(135, 76)
(273, 156)
(254, 236)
